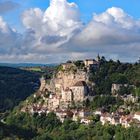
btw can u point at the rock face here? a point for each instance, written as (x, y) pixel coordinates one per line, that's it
(68, 87)
(42, 84)
(67, 79)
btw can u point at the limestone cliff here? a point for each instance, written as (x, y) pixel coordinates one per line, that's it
(68, 86)
(66, 79)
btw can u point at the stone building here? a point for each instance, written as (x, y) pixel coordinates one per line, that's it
(116, 87)
(80, 90)
(67, 95)
(137, 116)
(91, 64)
(53, 102)
(75, 93)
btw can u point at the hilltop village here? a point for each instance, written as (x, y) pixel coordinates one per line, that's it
(70, 89)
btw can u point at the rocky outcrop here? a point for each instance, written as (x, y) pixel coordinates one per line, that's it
(69, 86)
(68, 79)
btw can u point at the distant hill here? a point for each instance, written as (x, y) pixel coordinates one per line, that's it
(17, 65)
(16, 85)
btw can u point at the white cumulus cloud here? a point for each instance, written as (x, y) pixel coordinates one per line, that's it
(112, 32)
(9, 38)
(57, 34)
(59, 22)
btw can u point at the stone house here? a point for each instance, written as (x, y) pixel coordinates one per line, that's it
(130, 98)
(125, 121)
(137, 116)
(85, 121)
(105, 118)
(84, 113)
(63, 114)
(110, 118)
(53, 102)
(81, 114)
(98, 112)
(115, 119)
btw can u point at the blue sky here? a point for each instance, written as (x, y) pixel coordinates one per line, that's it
(34, 31)
(87, 8)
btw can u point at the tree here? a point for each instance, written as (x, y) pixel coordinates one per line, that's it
(124, 90)
(119, 78)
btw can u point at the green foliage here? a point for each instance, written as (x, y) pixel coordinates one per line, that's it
(69, 125)
(16, 85)
(105, 102)
(49, 128)
(133, 74)
(36, 123)
(136, 92)
(11, 132)
(96, 118)
(119, 78)
(124, 90)
(114, 72)
(79, 64)
(59, 68)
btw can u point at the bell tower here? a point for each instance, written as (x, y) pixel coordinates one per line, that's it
(98, 58)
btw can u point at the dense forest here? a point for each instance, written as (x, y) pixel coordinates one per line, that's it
(15, 86)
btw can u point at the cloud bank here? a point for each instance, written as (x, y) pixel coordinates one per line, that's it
(58, 34)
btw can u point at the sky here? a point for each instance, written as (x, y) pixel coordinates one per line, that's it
(53, 31)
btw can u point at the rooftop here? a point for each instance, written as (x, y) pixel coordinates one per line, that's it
(90, 60)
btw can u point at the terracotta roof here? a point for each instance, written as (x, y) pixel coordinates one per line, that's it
(80, 83)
